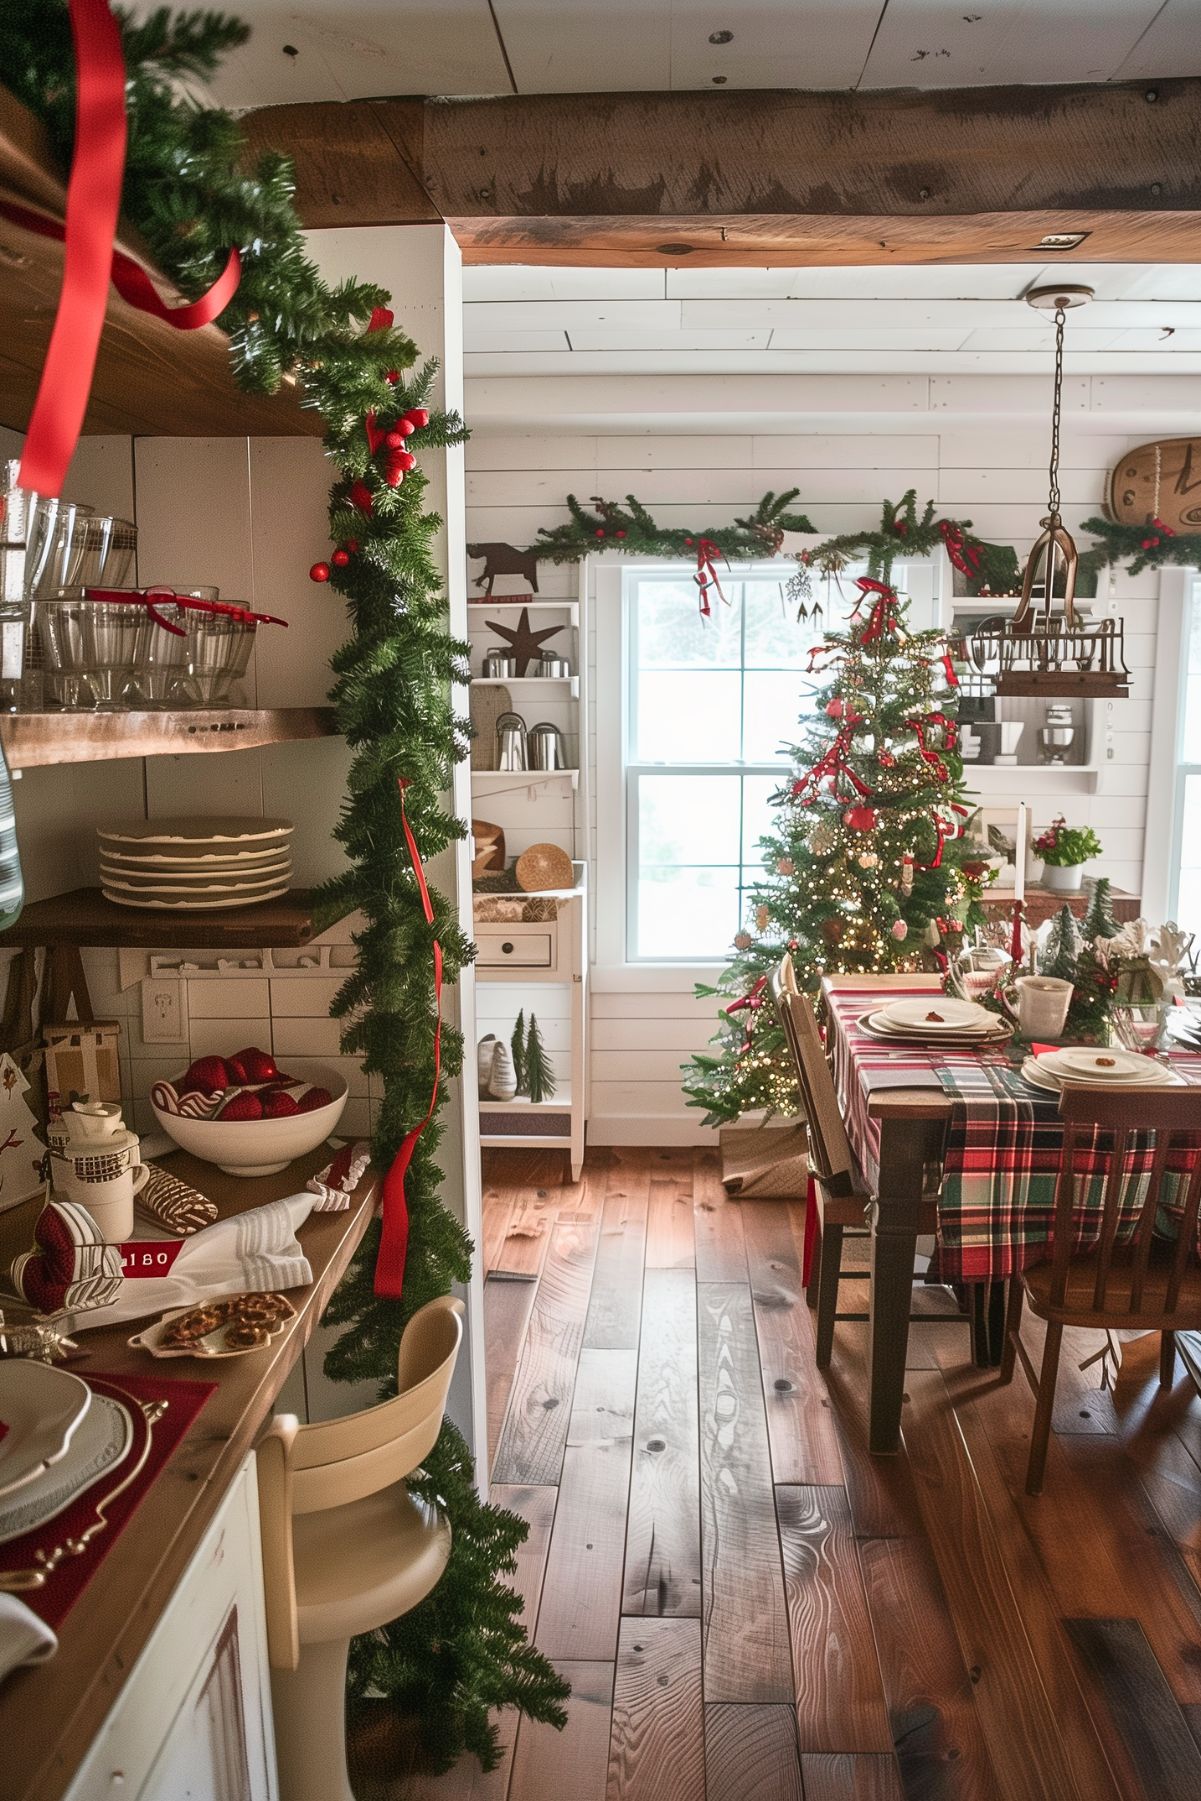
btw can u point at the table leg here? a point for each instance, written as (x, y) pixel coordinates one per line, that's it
(895, 1219)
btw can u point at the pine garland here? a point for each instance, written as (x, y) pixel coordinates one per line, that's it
(631, 529)
(1148, 546)
(463, 1653)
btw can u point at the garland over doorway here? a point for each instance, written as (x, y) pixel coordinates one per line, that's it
(463, 1653)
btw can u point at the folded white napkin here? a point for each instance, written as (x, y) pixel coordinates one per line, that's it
(258, 1249)
(23, 1637)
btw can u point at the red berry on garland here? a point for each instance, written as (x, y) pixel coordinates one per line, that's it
(340, 559)
(619, 534)
(419, 416)
(394, 439)
(394, 477)
(405, 459)
(320, 572)
(599, 532)
(405, 426)
(392, 377)
(886, 760)
(688, 542)
(361, 495)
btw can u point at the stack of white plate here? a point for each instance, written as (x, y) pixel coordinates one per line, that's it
(195, 865)
(1097, 1066)
(935, 1019)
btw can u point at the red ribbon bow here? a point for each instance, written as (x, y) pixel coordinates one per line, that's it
(394, 1232)
(751, 998)
(963, 552)
(153, 598)
(883, 616)
(833, 764)
(706, 572)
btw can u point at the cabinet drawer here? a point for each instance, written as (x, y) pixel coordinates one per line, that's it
(517, 950)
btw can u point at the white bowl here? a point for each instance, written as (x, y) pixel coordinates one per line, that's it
(258, 1147)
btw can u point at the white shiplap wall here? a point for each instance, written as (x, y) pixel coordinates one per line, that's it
(967, 446)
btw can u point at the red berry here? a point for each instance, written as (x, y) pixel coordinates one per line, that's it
(599, 532)
(1146, 544)
(393, 440)
(313, 1098)
(394, 477)
(406, 459)
(352, 545)
(392, 377)
(419, 416)
(260, 1066)
(320, 572)
(340, 559)
(619, 534)
(688, 542)
(279, 1105)
(237, 1072)
(207, 1075)
(242, 1106)
(405, 427)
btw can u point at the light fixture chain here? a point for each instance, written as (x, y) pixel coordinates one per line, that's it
(1056, 407)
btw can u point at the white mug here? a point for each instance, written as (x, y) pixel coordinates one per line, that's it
(1042, 1005)
(110, 1203)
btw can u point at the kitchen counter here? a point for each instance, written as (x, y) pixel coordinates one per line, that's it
(50, 1714)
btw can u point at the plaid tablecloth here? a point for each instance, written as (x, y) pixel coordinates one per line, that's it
(1003, 1145)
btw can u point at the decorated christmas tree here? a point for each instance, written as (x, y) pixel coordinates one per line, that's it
(866, 867)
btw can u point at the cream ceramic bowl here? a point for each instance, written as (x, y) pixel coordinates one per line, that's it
(258, 1147)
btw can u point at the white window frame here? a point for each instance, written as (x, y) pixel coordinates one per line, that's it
(1179, 594)
(614, 869)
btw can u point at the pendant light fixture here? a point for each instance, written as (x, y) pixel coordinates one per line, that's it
(1038, 654)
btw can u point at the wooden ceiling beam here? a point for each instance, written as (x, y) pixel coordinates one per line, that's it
(779, 176)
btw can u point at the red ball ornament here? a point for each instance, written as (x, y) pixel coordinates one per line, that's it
(340, 559)
(394, 439)
(619, 534)
(405, 459)
(352, 545)
(320, 572)
(688, 542)
(836, 707)
(419, 417)
(392, 377)
(861, 819)
(394, 477)
(599, 532)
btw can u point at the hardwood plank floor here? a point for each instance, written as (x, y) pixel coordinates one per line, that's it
(748, 1605)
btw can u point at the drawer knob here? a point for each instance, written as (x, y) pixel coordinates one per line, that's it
(507, 948)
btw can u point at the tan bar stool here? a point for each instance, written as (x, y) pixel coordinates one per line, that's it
(346, 1548)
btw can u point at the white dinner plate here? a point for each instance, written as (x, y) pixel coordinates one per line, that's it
(42, 1408)
(204, 888)
(925, 1033)
(873, 1024)
(1039, 1077)
(195, 857)
(158, 903)
(196, 832)
(102, 1439)
(1093, 1063)
(936, 1013)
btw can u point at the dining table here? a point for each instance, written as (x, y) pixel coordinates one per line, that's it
(953, 1140)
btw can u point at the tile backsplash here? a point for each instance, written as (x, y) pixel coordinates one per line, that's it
(279, 1009)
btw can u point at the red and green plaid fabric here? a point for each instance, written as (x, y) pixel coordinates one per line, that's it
(1003, 1147)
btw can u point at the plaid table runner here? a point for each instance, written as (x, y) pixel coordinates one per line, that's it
(1003, 1145)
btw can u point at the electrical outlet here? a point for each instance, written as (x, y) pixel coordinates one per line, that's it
(163, 1013)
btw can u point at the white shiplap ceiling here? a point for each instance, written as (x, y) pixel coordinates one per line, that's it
(347, 49)
(945, 320)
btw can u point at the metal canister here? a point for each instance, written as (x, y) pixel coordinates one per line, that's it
(547, 747)
(512, 749)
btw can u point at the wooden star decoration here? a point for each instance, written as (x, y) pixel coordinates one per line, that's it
(524, 643)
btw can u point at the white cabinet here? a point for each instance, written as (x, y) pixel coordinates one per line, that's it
(193, 1722)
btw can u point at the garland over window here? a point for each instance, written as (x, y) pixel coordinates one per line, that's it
(463, 1653)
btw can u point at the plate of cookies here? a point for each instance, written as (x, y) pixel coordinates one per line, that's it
(232, 1325)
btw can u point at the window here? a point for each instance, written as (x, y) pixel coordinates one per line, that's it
(710, 707)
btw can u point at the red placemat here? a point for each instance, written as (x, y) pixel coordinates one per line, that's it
(67, 1581)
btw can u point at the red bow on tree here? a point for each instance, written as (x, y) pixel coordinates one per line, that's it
(706, 572)
(883, 616)
(963, 552)
(753, 998)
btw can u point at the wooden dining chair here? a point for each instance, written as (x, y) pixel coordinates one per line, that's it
(1151, 1282)
(346, 1547)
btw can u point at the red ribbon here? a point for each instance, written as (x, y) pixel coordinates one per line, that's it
(1015, 942)
(964, 554)
(706, 572)
(832, 765)
(189, 603)
(93, 202)
(949, 670)
(394, 1235)
(883, 616)
(750, 999)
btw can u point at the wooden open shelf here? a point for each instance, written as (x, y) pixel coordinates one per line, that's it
(149, 377)
(38, 740)
(84, 917)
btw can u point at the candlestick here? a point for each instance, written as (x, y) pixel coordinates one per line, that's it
(1020, 851)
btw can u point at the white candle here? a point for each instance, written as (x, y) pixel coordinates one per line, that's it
(1023, 833)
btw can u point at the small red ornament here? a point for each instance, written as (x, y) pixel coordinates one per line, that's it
(419, 417)
(394, 477)
(394, 439)
(405, 426)
(340, 559)
(406, 459)
(352, 545)
(361, 495)
(794, 944)
(886, 759)
(619, 534)
(599, 532)
(688, 542)
(861, 819)
(392, 377)
(320, 572)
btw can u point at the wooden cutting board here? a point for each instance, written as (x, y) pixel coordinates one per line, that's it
(1131, 498)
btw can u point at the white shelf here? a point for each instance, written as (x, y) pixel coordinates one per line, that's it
(569, 682)
(522, 1103)
(514, 781)
(477, 608)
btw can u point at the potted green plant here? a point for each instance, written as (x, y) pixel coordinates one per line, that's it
(1065, 849)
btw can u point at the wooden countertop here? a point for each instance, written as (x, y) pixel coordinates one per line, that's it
(50, 1714)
